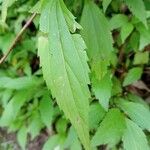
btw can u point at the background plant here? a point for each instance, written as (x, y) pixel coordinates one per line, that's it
(96, 68)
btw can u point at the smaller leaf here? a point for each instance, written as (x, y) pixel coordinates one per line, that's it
(110, 130)
(116, 88)
(143, 42)
(5, 41)
(126, 31)
(141, 58)
(35, 124)
(133, 75)
(5, 5)
(6, 96)
(144, 35)
(102, 89)
(53, 142)
(13, 107)
(134, 40)
(15, 125)
(46, 110)
(61, 126)
(72, 142)
(137, 112)
(96, 114)
(22, 137)
(105, 4)
(99, 68)
(76, 146)
(118, 21)
(114, 59)
(134, 138)
(137, 99)
(19, 83)
(96, 32)
(138, 9)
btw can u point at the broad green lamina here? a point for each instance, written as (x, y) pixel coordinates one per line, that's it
(74, 74)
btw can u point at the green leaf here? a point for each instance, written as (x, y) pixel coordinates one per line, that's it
(137, 99)
(144, 35)
(20, 83)
(134, 40)
(5, 41)
(96, 32)
(102, 89)
(5, 5)
(118, 21)
(133, 75)
(70, 19)
(97, 36)
(22, 137)
(114, 59)
(134, 138)
(54, 142)
(46, 110)
(143, 42)
(13, 107)
(96, 114)
(137, 112)
(76, 146)
(16, 124)
(138, 9)
(61, 126)
(7, 94)
(99, 69)
(126, 31)
(105, 4)
(110, 130)
(72, 141)
(64, 65)
(141, 58)
(36, 8)
(116, 88)
(35, 124)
